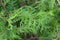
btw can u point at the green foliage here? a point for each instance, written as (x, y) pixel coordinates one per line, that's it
(29, 17)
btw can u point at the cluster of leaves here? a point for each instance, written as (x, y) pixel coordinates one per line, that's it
(29, 17)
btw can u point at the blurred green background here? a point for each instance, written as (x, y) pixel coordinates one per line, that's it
(29, 20)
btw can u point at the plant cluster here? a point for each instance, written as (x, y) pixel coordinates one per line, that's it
(29, 19)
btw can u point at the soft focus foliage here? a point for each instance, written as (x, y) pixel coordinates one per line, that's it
(29, 17)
